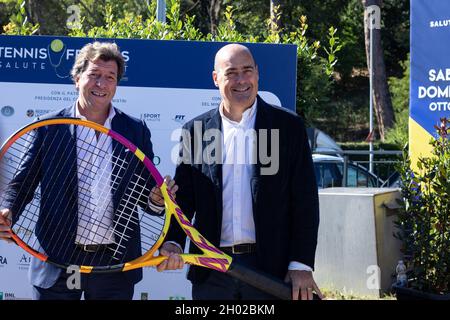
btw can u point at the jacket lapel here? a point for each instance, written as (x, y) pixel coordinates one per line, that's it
(68, 150)
(70, 146)
(214, 168)
(262, 121)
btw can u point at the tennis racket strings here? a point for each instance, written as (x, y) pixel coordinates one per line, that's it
(77, 196)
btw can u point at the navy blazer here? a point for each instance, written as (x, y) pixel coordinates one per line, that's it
(56, 186)
(285, 204)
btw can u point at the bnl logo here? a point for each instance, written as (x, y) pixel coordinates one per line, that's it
(179, 118)
(7, 296)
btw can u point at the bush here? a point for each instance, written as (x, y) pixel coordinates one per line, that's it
(424, 223)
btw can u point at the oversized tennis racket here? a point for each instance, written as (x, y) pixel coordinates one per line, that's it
(79, 193)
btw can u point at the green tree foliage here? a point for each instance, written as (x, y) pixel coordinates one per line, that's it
(351, 22)
(250, 18)
(338, 105)
(315, 62)
(6, 7)
(400, 101)
(53, 15)
(134, 26)
(395, 14)
(19, 22)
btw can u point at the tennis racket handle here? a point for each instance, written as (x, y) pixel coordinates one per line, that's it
(261, 281)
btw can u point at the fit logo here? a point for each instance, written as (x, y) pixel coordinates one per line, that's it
(179, 118)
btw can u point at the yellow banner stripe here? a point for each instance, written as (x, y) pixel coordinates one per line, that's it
(419, 142)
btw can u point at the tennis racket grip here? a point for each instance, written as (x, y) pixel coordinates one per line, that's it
(261, 281)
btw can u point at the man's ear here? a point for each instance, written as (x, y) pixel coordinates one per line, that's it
(214, 76)
(75, 80)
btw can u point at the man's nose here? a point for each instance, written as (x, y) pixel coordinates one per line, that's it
(100, 82)
(241, 77)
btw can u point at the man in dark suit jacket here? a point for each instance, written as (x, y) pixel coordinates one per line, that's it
(96, 72)
(263, 213)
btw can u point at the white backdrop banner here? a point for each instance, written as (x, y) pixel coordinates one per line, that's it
(166, 83)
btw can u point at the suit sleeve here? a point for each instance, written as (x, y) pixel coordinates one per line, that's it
(21, 189)
(304, 200)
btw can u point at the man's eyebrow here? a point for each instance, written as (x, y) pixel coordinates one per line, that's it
(236, 68)
(98, 69)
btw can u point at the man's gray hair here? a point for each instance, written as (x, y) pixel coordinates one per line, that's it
(105, 51)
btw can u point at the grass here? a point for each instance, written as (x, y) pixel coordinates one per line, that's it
(343, 295)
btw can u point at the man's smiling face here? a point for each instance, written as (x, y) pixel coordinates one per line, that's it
(237, 77)
(97, 85)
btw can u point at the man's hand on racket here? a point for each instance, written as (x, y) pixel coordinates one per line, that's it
(156, 196)
(169, 250)
(303, 285)
(5, 225)
(174, 261)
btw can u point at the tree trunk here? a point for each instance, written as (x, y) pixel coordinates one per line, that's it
(33, 13)
(214, 14)
(51, 15)
(382, 98)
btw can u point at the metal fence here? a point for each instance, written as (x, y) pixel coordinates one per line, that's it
(384, 164)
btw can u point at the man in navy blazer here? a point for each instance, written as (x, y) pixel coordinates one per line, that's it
(264, 212)
(96, 72)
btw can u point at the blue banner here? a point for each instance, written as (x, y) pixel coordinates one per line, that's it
(430, 71)
(150, 63)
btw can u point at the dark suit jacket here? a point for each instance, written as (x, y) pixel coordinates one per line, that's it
(285, 204)
(59, 187)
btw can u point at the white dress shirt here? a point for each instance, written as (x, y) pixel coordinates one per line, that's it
(239, 156)
(95, 206)
(237, 221)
